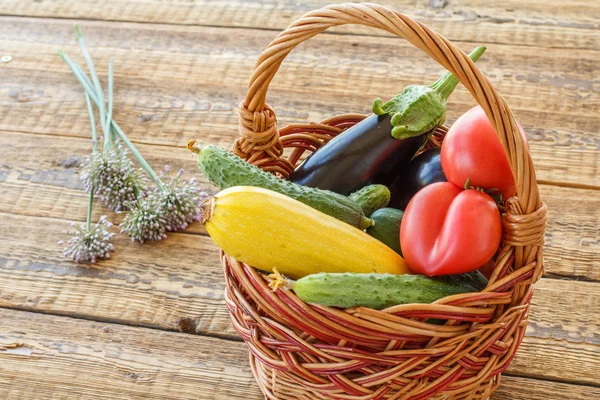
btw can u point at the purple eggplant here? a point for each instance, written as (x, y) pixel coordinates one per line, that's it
(379, 148)
(362, 155)
(423, 170)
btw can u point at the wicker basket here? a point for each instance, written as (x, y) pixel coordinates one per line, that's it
(302, 351)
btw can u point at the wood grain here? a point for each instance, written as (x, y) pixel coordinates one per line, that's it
(529, 22)
(30, 186)
(181, 68)
(184, 291)
(57, 357)
(138, 285)
(173, 83)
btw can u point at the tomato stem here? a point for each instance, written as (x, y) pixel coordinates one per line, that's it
(492, 192)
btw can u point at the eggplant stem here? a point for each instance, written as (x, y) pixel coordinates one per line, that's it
(446, 84)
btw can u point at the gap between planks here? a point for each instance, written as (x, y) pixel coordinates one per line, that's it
(203, 233)
(500, 22)
(255, 28)
(166, 145)
(123, 336)
(137, 287)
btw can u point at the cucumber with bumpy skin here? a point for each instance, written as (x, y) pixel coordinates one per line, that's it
(224, 170)
(474, 278)
(371, 198)
(386, 227)
(377, 291)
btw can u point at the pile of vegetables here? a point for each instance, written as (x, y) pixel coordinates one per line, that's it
(370, 219)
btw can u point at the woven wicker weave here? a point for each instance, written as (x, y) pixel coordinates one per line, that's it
(301, 351)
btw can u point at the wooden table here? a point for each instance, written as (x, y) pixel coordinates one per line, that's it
(151, 321)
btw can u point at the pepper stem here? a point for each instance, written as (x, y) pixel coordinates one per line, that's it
(446, 84)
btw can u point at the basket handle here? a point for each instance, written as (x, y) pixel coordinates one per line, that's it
(259, 137)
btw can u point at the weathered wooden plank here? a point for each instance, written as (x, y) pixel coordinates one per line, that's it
(578, 350)
(516, 388)
(177, 82)
(30, 186)
(47, 357)
(140, 286)
(510, 22)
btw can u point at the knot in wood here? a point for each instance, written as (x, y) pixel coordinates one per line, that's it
(258, 134)
(523, 229)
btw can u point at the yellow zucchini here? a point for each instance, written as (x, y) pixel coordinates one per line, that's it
(269, 230)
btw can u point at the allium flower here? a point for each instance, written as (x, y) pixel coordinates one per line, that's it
(113, 177)
(180, 201)
(90, 245)
(170, 208)
(145, 220)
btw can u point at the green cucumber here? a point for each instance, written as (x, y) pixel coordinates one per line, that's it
(224, 170)
(474, 278)
(371, 198)
(377, 291)
(386, 227)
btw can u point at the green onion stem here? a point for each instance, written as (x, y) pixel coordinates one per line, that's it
(95, 80)
(113, 137)
(134, 151)
(143, 163)
(93, 123)
(110, 93)
(88, 222)
(97, 97)
(87, 86)
(94, 150)
(77, 71)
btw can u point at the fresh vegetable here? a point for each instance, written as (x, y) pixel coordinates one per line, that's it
(423, 170)
(471, 150)
(420, 109)
(362, 155)
(386, 227)
(488, 268)
(266, 229)
(448, 230)
(226, 170)
(378, 291)
(474, 278)
(371, 198)
(379, 148)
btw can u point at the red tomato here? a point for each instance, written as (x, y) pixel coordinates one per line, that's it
(448, 230)
(488, 268)
(471, 150)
